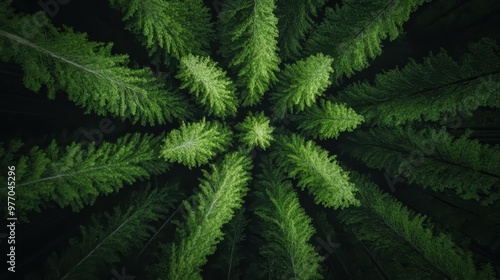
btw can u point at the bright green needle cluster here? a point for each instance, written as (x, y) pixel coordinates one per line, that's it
(256, 131)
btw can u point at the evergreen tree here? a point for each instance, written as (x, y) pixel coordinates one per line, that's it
(110, 237)
(294, 22)
(432, 159)
(208, 82)
(195, 143)
(229, 254)
(300, 84)
(286, 228)
(90, 75)
(315, 169)
(222, 192)
(256, 131)
(405, 241)
(353, 33)
(248, 30)
(440, 86)
(75, 176)
(174, 27)
(327, 120)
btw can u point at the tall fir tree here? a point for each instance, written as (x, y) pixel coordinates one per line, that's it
(431, 159)
(327, 120)
(295, 20)
(429, 91)
(111, 237)
(285, 227)
(353, 33)
(176, 28)
(315, 170)
(404, 241)
(90, 75)
(75, 175)
(210, 85)
(222, 193)
(301, 84)
(195, 143)
(248, 31)
(230, 254)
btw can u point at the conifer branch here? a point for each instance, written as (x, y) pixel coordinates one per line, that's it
(196, 143)
(91, 76)
(316, 170)
(249, 32)
(222, 192)
(76, 176)
(210, 85)
(353, 33)
(285, 226)
(177, 28)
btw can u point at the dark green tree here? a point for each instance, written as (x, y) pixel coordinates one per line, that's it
(429, 91)
(353, 33)
(405, 241)
(109, 237)
(286, 228)
(189, 26)
(431, 159)
(222, 192)
(248, 32)
(76, 175)
(90, 75)
(316, 170)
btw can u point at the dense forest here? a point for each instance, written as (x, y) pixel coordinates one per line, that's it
(250, 139)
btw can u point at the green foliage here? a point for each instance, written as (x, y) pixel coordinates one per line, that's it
(301, 83)
(222, 193)
(406, 241)
(353, 33)
(316, 170)
(75, 176)
(89, 74)
(327, 120)
(110, 237)
(286, 228)
(294, 22)
(432, 159)
(208, 82)
(248, 31)
(256, 131)
(228, 254)
(430, 90)
(195, 143)
(174, 27)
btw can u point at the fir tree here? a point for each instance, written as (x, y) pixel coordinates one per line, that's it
(175, 27)
(208, 82)
(428, 91)
(294, 22)
(286, 228)
(405, 241)
(110, 237)
(75, 176)
(222, 192)
(248, 30)
(90, 75)
(195, 143)
(229, 254)
(432, 159)
(300, 84)
(353, 33)
(316, 170)
(256, 131)
(327, 120)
